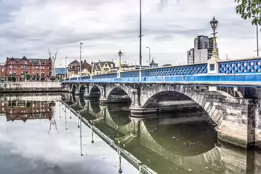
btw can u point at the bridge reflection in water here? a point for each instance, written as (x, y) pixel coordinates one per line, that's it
(167, 143)
(38, 134)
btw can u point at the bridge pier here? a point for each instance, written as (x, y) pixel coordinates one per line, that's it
(234, 118)
(77, 90)
(238, 127)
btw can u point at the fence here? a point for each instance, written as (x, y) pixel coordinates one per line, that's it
(30, 85)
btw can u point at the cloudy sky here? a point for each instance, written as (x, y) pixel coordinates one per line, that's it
(29, 27)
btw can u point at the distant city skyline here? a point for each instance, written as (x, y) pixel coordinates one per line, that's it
(30, 27)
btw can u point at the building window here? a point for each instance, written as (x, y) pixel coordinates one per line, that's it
(212, 67)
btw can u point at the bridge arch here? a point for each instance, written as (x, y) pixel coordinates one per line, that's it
(119, 114)
(123, 89)
(204, 98)
(119, 95)
(96, 91)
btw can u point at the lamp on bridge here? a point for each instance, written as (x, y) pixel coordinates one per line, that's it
(119, 71)
(120, 54)
(214, 24)
(213, 61)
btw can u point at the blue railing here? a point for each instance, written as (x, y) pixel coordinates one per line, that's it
(240, 67)
(229, 71)
(203, 78)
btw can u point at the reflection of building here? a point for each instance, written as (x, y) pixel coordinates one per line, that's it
(19, 69)
(23, 110)
(202, 51)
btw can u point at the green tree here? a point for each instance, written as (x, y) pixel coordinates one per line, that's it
(250, 9)
(27, 76)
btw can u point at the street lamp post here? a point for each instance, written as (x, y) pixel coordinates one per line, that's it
(120, 54)
(257, 41)
(149, 55)
(92, 69)
(214, 24)
(257, 38)
(65, 68)
(80, 57)
(140, 36)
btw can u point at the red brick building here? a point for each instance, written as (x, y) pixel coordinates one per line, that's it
(24, 110)
(74, 68)
(19, 69)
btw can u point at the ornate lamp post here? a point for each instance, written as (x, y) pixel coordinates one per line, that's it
(149, 55)
(120, 54)
(214, 24)
(213, 61)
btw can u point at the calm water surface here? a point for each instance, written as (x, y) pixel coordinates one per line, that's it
(40, 134)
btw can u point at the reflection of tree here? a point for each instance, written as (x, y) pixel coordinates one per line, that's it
(53, 123)
(28, 105)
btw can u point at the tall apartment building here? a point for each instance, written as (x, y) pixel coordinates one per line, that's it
(202, 51)
(190, 56)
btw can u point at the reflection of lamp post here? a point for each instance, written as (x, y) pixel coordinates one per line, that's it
(59, 109)
(92, 135)
(120, 169)
(65, 118)
(65, 68)
(214, 24)
(120, 54)
(81, 135)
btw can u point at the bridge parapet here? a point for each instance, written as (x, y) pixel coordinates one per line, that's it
(198, 72)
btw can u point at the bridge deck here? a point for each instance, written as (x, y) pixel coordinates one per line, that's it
(251, 79)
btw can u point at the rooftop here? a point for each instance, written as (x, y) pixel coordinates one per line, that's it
(61, 70)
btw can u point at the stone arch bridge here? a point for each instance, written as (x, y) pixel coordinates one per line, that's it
(234, 110)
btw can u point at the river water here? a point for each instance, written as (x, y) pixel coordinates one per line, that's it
(65, 134)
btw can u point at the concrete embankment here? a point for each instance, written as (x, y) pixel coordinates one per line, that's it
(28, 87)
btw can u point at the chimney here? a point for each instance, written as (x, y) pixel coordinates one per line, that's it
(85, 61)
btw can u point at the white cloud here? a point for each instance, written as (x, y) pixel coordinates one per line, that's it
(105, 26)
